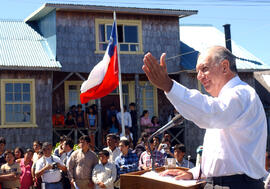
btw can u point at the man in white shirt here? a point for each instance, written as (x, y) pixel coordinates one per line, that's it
(112, 148)
(127, 118)
(233, 116)
(48, 167)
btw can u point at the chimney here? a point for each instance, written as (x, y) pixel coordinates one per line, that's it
(227, 31)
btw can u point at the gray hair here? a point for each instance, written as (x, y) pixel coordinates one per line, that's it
(221, 53)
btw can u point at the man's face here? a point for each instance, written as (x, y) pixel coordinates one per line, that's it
(2, 147)
(210, 74)
(111, 143)
(9, 158)
(84, 145)
(36, 147)
(123, 148)
(47, 151)
(103, 159)
(178, 154)
(65, 147)
(131, 107)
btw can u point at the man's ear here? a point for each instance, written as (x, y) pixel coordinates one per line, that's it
(225, 66)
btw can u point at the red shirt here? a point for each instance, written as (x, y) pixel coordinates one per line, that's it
(58, 120)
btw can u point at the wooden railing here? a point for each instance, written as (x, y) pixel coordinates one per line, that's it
(73, 133)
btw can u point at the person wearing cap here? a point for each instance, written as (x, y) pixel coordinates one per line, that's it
(48, 168)
(233, 116)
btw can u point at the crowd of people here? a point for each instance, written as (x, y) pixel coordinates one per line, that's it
(66, 167)
(77, 117)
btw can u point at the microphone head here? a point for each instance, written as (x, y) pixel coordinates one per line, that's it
(178, 119)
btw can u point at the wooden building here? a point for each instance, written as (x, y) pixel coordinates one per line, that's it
(77, 36)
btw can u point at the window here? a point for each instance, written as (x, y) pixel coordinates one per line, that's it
(129, 35)
(72, 94)
(126, 90)
(18, 103)
(148, 99)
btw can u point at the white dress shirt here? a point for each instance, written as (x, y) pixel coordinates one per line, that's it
(104, 173)
(127, 119)
(236, 128)
(113, 154)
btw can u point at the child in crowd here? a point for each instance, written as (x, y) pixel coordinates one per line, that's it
(18, 152)
(70, 121)
(37, 180)
(104, 173)
(145, 162)
(92, 125)
(26, 163)
(11, 170)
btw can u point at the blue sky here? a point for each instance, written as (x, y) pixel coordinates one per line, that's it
(249, 19)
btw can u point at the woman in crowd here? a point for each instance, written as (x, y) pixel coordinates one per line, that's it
(155, 123)
(26, 163)
(18, 153)
(92, 125)
(145, 121)
(114, 126)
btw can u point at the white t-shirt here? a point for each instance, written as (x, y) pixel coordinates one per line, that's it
(52, 175)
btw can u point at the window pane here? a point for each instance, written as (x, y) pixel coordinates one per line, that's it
(9, 97)
(123, 47)
(134, 47)
(9, 108)
(125, 88)
(26, 108)
(18, 97)
(18, 87)
(26, 87)
(131, 34)
(18, 117)
(72, 87)
(101, 33)
(120, 34)
(26, 117)
(9, 117)
(109, 31)
(26, 97)
(17, 108)
(9, 87)
(149, 94)
(73, 97)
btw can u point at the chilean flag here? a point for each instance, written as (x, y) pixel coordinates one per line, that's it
(103, 79)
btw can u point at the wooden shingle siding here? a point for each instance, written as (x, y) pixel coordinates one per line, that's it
(76, 41)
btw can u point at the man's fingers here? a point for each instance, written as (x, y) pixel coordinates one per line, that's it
(162, 61)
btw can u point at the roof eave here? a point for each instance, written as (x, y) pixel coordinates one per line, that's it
(29, 68)
(48, 7)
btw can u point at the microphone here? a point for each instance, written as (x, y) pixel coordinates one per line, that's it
(176, 120)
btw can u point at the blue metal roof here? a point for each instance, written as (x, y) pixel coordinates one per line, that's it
(21, 47)
(196, 38)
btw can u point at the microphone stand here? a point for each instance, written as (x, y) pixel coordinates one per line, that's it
(177, 120)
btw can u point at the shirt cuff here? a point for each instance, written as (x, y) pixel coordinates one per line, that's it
(195, 171)
(177, 91)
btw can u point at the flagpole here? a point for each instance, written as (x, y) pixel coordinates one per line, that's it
(120, 79)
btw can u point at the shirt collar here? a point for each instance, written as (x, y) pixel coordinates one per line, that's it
(233, 82)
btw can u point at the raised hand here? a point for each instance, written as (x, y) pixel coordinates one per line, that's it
(157, 73)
